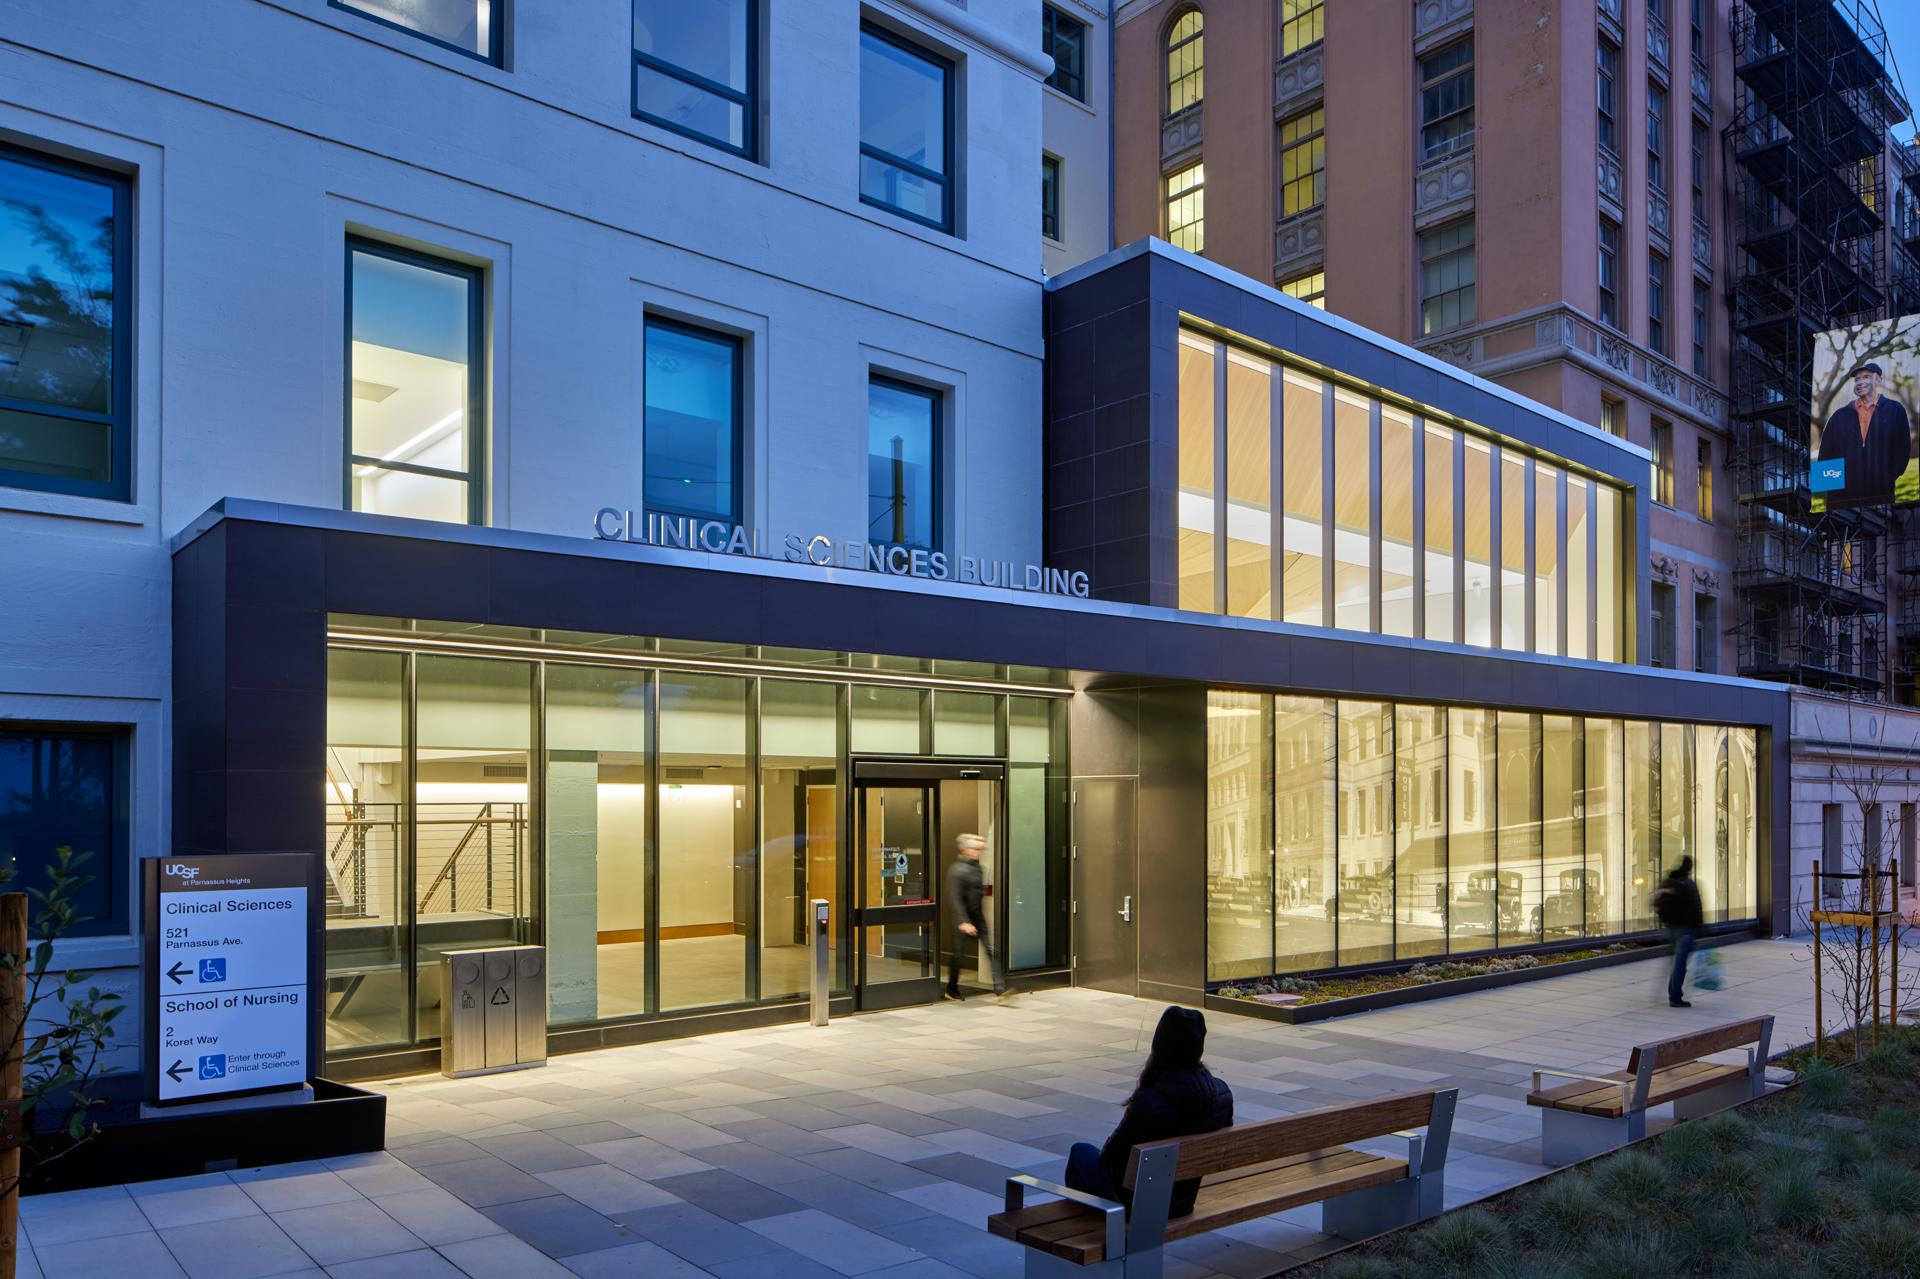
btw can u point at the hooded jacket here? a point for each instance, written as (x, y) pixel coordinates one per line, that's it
(1181, 1103)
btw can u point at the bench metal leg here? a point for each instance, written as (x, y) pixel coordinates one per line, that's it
(1567, 1137)
(1361, 1214)
(1702, 1104)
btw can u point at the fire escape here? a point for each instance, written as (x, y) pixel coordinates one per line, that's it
(1808, 187)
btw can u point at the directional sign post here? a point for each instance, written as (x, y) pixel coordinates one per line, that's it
(228, 975)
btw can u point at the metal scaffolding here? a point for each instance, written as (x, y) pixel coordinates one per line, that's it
(1811, 253)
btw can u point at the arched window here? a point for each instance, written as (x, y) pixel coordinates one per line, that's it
(1186, 62)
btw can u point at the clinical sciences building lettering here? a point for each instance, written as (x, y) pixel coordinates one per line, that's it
(721, 538)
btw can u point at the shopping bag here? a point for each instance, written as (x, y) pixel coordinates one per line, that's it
(1709, 973)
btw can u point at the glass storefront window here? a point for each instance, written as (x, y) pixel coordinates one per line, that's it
(1032, 925)
(595, 813)
(1519, 801)
(1676, 797)
(1513, 551)
(1239, 843)
(1710, 832)
(1305, 862)
(1742, 868)
(1439, 445)
(1302, 477)
(1352, 512)
(1546, 558)
(1397, 576)
(799, 828)
(1571, 898)
(472, 859)
(1643, 822)
(889, 721)
(1420, 831)
(965, 723)
(1608, 580)
(706, 841)
(1196, 475)
(1579, 575)
(1606, 833)
(1472, 850)
(366, 771)
(1366, 832)
(1249, 487)
(1480, 543)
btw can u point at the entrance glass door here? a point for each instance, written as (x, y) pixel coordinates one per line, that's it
(896, 952)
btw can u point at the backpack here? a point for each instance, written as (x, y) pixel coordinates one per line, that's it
(1666, 905)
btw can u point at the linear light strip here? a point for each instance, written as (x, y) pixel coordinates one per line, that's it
(380, 642)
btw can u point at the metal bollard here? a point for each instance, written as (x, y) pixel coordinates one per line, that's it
(822, 975)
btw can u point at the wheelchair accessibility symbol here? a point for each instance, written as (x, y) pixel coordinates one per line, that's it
(212, 970)
(213, 1066)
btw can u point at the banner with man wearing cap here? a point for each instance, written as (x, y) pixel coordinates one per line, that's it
(1864, 453)
(1871, 439)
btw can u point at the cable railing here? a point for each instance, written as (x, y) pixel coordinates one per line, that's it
(467, 857)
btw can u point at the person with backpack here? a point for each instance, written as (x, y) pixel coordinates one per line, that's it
(1176, 1097)
(1677, 905)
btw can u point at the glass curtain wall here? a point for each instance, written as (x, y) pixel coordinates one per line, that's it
(800, 751)
(1456, 830)
(1387, 521)
(706, 834)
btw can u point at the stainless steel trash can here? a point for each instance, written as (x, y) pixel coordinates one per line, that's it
(493, 1010)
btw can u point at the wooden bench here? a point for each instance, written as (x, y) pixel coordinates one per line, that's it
(1245, 1172)
(1596, 1113)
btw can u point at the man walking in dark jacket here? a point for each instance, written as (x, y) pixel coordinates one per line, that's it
(1677, 903)
(966, 897)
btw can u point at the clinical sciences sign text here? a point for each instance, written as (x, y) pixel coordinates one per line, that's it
(719, 537)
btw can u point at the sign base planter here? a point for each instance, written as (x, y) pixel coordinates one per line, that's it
(329, 1121)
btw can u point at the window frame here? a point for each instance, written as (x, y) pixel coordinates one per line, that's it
(1702, 326)
(1703, 478)
(1613, 413)
(1421, 259)
(1423, 84)
(1657, 135)
(1169, 195)
(1314, 143)
(1659, 284)
(1312, 297)
(1661, 437)
(1051, 173)
(1610, 294)
(119, 418)
(737, 428)
(748, 102)
(496, 31)
(937, 397)
(1606, 96)
(1698, 165)
(1169, 46)
(113, 863)
(479, 419)
(1051, 19)
(949, 72)
(1304, 11)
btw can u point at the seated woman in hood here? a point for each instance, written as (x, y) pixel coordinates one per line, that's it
(1176, 1097)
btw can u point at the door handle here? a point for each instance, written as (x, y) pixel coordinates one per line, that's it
(1126, 909)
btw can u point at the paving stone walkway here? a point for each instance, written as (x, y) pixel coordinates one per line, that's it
(876, 1146)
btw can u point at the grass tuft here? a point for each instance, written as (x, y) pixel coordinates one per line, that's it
(1635, 1183)
(1463, 1243)
(1633, 1253)
(1895, 1131)
(1689, 1150)
(1564, 1211)
(1876, 1247)
(1824, 1087)
(1891, 1060)
(1892, 1188)
(1729, 1129)
(1356, 1267)
(1844, 1150)
(1793, 1201)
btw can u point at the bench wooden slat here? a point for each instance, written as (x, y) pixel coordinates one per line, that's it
(1701, 1043)
(1670, 1084)
(1290, 1135)
(1078, 1234)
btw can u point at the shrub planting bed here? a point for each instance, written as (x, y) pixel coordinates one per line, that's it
(1822, 1180)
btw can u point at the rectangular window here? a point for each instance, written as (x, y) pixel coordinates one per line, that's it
(903, 465)
(66, 419)
(1440, 444)
(1352, 464)
(1663, 462)
(1703, 480)
(1613, 416)
(1187, 209)
(1607, 95)
(1305, 857)
(1906, 843)
(1303, 162)
(1310, 288)
(1664, 624)
(1050, 197)
(66, 788)
(1186, 62)
(1832, 857)
(1610, 273)
(1482, 547)
(1702, 300)
(1303, 24)
(1513, 551)
(1579, 567)
(1699, 18)
(1706, 634)
(1658, 275)
(906, 129)
(1518, 801)
(693, 422)
(695, 69)
(1302, 514)
(1240, 931)
(1606, 571)
(1398, 579)
(1643, 822)
(471, 27)
(1697, 170)
(706, 817)
(1446, 100)
(1546, 558)
(1656, 136)
(1446, 277)
(1249, 512)
(1064, 39)
(1197, 510)
(416, 432)
(1364, 778)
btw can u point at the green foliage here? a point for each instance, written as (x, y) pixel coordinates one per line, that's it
(1633, 1253)
(1564, 1211)
(1716, 1238)
(1891, 1188)
(1844, 1150)
(1358, 1267)
(1824, 1087)
(1635, 1183)
(1463, 1243)
(1889, 1060)
(1879, 1246)
(1728, 1130)
(1895, 1131)
(1792, 1202)
(1689, 1150)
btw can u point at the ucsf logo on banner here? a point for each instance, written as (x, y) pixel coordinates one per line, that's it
(227, 975)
